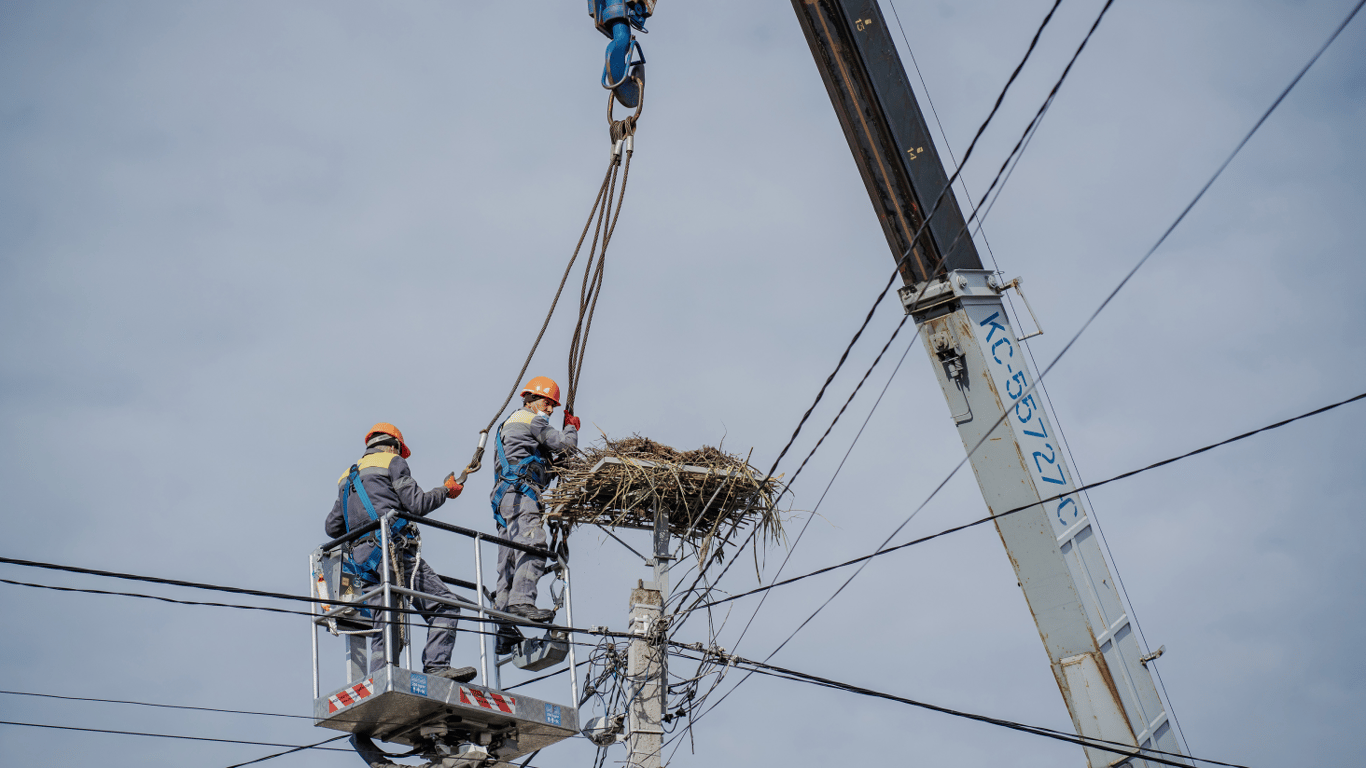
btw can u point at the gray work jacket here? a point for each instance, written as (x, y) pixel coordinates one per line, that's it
(389, 485)
(526, 432)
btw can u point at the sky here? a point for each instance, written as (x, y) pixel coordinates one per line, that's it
(235, 235)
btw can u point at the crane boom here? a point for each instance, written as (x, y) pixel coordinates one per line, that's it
(1015, 453)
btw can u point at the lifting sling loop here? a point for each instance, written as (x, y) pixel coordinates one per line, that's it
(510, 478)
(366, 571)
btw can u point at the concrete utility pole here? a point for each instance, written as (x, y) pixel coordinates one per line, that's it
(645, 666)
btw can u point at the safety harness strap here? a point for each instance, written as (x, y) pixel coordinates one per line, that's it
(367, 569)
(510, 477)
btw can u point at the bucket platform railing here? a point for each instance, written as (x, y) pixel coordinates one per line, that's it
(396, 702)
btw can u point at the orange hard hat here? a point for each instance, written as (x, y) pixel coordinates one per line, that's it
(543, 386)
(385, 428)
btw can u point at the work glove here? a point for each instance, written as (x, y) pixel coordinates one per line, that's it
(570, 420)
(453, 488)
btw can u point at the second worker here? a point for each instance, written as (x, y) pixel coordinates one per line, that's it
(526, 446)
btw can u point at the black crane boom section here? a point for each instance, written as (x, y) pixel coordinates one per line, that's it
(887, 133)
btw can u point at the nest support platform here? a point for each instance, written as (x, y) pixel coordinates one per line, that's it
(707, 493)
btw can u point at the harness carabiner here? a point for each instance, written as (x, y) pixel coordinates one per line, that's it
(476, 463)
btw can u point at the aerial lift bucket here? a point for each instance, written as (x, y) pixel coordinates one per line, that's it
(451, 724)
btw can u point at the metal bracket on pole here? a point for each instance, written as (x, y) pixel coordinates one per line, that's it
(1017, 284)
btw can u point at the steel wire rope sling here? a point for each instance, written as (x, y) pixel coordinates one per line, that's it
(606, 213)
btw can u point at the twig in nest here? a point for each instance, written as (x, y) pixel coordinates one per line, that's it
(620, 483)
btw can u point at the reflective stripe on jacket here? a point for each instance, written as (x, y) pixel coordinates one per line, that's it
(389, 484)
(526, 432)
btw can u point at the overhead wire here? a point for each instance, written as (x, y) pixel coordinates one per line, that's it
(152, 704)
(1000, 98)
(805, 525)
(211, 710)
(254, 592)
(1029, 350)
(1065, 349)
(1103, 304)
(990, 518)
(945, 192)
(1154, 755)
(119, 732)
(290, 751)
(1110, 297)
(944, 253)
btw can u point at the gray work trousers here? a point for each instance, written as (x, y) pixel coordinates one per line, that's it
(440, 618)
(519, 571)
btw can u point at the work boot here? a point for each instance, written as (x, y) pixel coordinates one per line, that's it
(458, 674)
(532, 613)
(508, 638)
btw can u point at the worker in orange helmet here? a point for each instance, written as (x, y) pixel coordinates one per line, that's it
(377, 483)
(526, 447)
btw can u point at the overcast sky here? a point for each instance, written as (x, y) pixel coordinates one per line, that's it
(235, 234)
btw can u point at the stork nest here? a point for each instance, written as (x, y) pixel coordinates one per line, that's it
(708, 493)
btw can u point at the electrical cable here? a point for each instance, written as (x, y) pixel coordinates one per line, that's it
(191, 708)
(152, 704)
(559, 671)
(810, 517)
(935, 113)
(1145, 648)
(947, 187)
(287, 611)
(290, 751)
(1048, 400)
(178, 736)
(259, 593)
(945, 192)
(990, 518)
(1153, 755)
(805, 525)
(1015, 152)
(851, 397)
(1105, 303)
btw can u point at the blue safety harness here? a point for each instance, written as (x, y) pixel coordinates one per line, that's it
(366, 570)
(512, 477)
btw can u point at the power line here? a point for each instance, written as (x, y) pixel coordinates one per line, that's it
(1015, 150)
(934, 209)
(305, 613)
(177, 736)
(1105, 303)
(809, 518)
(152, 704)
(1085, 741)
(1048, 399)
(290, 751)
(273, 595)
(559, 671)
(945, 192)
(191, 708)
(990, 518)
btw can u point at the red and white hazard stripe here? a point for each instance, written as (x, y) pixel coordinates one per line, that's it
(349, 696)
(487, 699)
